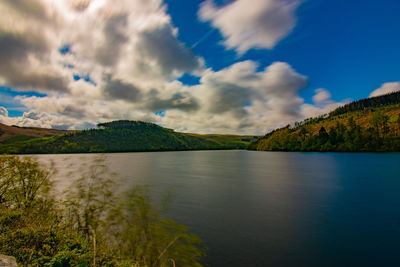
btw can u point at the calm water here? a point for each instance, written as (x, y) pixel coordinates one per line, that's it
(273, 208)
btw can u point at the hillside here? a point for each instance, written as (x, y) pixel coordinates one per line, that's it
(371, 102)
(12, 134)
(365, 125)
(125, 136)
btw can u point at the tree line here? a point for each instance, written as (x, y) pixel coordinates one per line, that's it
(367, 103)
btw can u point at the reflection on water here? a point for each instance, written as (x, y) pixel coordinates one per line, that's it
(273, 208)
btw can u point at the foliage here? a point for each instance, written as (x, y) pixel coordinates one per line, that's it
(91, 226)
(23, 184)
(146, 239)
(39, 241)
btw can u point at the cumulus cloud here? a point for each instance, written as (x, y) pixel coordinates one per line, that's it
(386, 88)
(135, 40)
(234, 88)
(160, 47)
(118, 89)
(33, 8)
(109, 51)
(247, 24)
(108, 60)
(183, 101)
(26, 40)
(46, 120)
(240, 99)
(237, 99)
(80, 5)
(321, 96)
(3, 111)
(19, 54)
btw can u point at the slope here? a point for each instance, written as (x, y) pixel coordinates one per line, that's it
(12, 134)
(358, 126)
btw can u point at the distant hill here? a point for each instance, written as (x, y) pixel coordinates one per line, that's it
(371, 124)
(12, 134)
(125, 136)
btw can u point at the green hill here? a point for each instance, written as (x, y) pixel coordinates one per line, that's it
(371, 124)
(125, 136)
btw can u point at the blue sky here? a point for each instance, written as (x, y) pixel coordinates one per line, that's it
(349, 47)
(214, 66)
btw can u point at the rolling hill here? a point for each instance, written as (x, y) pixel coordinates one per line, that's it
(371, 124)
(124, 136)
(12, 134)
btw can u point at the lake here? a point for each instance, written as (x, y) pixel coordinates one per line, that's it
(274, 208)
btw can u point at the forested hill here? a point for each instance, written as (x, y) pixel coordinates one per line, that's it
(372, 102)
(125, 136)
(365, 125)
(132, 125)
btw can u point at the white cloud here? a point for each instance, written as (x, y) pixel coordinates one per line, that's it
(46, 120)
(247, 24)
(237, 99)
(240, 99)
(132, 40)
(386, 88)
(3, 111)
(126, 57)
(28, 32)
(321, 95)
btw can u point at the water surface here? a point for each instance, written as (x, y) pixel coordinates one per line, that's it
(275, 208)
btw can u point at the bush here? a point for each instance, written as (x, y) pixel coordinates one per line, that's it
(92, 227)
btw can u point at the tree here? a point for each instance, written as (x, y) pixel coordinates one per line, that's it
(5, 182)
(31, 227)
(147, 239)
(380, 122)
(333, 140)
(23, 183)
(303, 133)
(129, 226)
(323, 136)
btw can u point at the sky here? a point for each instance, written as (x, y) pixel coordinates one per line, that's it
(213, 66)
